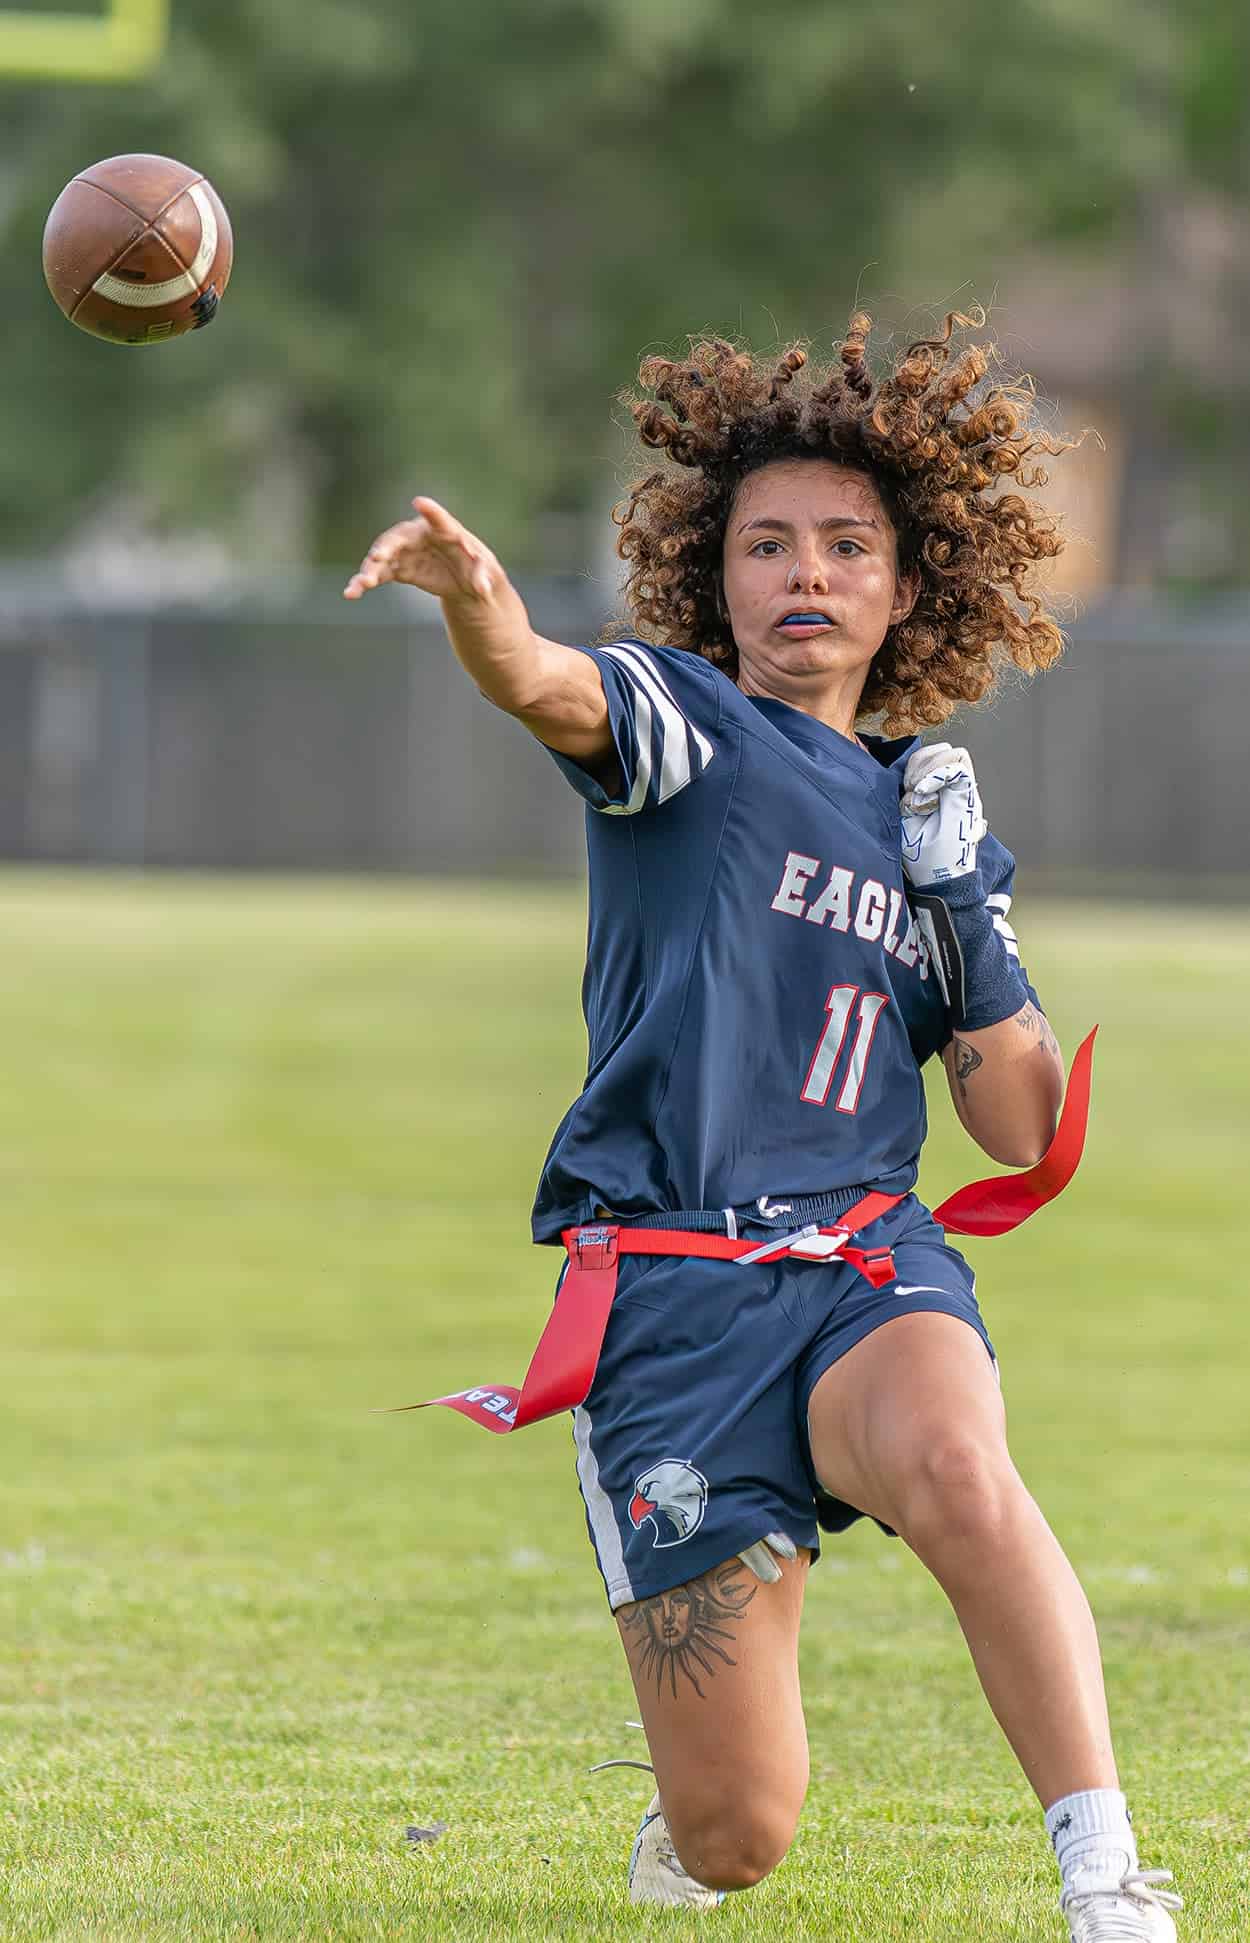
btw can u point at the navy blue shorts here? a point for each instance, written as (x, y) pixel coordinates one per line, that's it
(693, 1441)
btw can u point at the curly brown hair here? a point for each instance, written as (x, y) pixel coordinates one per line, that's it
(935, 443)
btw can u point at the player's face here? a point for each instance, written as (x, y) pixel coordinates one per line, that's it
(811, 578)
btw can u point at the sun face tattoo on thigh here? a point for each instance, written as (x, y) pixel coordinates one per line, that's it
(688, 1630)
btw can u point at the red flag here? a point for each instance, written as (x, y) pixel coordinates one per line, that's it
(992, 1206)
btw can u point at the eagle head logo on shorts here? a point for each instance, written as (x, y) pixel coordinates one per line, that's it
(673, 1496)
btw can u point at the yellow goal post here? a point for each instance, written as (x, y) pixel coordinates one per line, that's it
(122, 39)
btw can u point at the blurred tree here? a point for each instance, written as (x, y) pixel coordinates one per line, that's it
(457, 229)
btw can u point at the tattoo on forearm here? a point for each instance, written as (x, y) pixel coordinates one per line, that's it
(689, 1629)
(1037, 1026)
(967, 1059)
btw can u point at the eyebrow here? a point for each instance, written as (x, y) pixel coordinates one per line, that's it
(822, 526)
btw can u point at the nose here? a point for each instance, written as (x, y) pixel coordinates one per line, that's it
(807, 575)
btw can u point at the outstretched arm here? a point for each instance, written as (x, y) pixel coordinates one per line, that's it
(555, 691)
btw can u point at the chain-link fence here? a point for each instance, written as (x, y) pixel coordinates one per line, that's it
(312, 736)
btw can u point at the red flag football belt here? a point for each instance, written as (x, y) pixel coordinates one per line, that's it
(562, 1368)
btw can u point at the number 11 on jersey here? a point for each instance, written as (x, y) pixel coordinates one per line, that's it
(839, 1005)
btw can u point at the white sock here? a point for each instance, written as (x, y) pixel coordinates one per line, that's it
(1092, 1835)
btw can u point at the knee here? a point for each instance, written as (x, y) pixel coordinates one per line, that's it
(963, 1493)
(731, 1846)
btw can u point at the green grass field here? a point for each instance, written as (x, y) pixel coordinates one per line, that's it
(267, 1151)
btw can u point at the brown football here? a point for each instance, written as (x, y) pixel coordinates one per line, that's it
(137, 249)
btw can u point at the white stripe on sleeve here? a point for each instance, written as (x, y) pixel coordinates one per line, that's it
(638, 653)
(998, 903)
(642, 769)
(1008, 936)
(676, 730)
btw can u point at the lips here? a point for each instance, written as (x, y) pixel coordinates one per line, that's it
(804, 630)
(803, 621)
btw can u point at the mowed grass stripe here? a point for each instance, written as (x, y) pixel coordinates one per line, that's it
(267, 1150)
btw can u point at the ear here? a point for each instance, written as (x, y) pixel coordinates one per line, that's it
(906, 594)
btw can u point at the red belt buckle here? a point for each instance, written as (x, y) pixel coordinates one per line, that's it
(594, 1246)
(876, 1265)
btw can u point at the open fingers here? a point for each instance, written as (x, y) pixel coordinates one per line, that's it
(372, 571)
(464, 548)
(382, 559)
(433, 551)
(443, 523)
(401, 553)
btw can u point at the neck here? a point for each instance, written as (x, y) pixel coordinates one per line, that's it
(829, 698)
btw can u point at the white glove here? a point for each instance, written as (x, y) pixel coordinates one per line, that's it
(942, 819)
(759, 1557)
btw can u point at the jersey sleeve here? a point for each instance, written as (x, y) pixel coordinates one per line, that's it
(664, 714)
(998, 874)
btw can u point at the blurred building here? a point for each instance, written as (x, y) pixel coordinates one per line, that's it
(1130, 345)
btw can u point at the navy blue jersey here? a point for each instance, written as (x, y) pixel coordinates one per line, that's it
(758, 997)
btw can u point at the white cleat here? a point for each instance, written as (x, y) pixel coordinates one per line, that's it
(1130, 1910)
(656, 1875)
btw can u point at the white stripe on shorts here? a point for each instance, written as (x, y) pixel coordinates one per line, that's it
(602, 1517)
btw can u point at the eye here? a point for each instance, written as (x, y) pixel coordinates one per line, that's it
(847, 548)
(760, 543)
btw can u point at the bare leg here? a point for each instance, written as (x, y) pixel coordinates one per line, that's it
(715, 1668)
(909, 1426)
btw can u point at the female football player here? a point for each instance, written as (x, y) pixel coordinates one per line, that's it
(788, 917)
